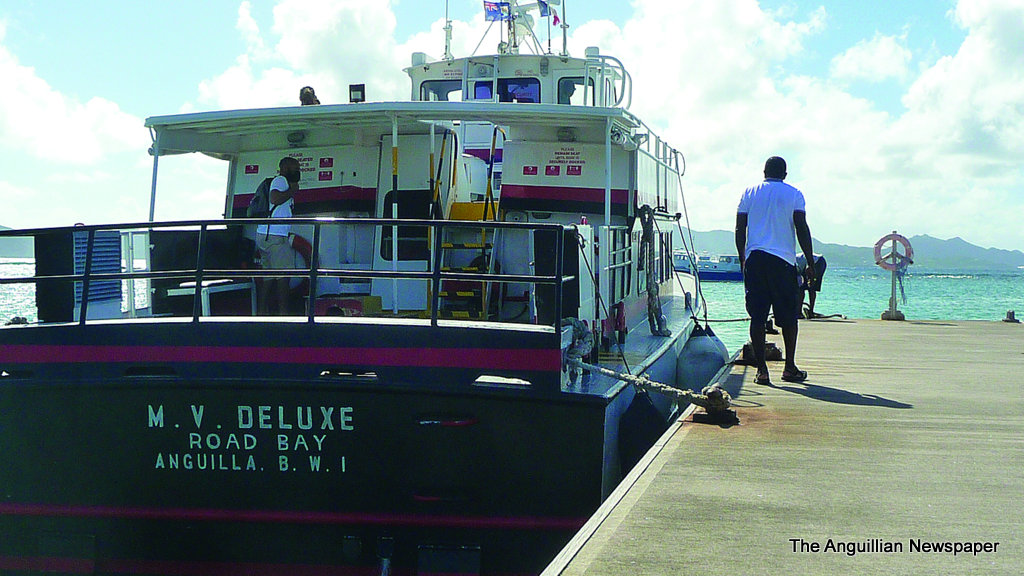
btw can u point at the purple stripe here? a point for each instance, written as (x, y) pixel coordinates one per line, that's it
(562, 193)
(484, 153)
(502, 359)
(318, 195)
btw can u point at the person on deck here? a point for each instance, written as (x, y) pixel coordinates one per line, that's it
(307, 97)
(272, 240)
(770, 215)
(811, 286)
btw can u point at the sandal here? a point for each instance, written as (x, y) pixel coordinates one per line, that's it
(763, 379)
(798, 376)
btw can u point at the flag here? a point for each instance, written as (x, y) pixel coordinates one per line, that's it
(554, 17)
(544, 9)
(497, 11)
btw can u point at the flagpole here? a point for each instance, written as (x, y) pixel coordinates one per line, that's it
(549, 30)
(565, 30)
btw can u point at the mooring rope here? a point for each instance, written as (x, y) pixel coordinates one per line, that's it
(722, 319)
(712, 398)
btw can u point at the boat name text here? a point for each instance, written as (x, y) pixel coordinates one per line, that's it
(252, 437)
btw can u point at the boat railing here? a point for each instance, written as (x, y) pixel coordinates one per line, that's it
(207, 268)
(604, 68)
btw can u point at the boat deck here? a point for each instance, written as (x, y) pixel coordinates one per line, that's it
(906, 434)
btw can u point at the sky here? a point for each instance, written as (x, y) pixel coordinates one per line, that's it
(904, 115)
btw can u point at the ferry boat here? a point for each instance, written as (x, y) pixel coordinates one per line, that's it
(721, 268)
(419, 409)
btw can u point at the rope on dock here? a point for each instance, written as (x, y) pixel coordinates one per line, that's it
(712, 398)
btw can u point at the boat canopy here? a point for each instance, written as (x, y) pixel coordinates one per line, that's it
(227, 133)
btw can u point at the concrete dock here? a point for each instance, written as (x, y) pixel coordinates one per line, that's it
(902, 453)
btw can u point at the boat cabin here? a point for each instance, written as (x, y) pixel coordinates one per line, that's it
(460, 182)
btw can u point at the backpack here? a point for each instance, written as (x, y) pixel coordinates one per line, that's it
(259, 206)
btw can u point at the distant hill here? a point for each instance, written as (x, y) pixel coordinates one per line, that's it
(16, 247)
(929, 252)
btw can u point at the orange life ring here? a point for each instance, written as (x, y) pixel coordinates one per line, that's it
(886, 263)
(302, 246)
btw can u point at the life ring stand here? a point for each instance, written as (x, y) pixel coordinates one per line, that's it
(892, 261)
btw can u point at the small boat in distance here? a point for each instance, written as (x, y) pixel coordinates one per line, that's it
(721, 268)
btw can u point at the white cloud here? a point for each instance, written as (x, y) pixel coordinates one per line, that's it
(65, 160)
(881, 58)
(348, 42)
(250, 30)
(713, 78)
(36, 118)
(967, 110)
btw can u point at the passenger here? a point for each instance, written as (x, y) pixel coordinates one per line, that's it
(568, 89)
(272, 240)
(810, 286)
(308, 97)
(767, 219)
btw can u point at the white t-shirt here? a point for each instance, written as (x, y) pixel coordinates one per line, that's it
(769, 207)
(279, 183)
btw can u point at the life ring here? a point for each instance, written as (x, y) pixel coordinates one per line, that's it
(888, 263)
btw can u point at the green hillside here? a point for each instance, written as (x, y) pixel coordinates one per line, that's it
(929, 252)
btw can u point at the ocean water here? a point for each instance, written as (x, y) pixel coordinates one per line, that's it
(864, 293)
(20, 299)
(852, 292)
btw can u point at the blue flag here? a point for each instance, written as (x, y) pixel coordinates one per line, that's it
(544, 9)
(497, 11)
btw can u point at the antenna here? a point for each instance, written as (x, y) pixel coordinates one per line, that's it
(565, 30)
(447, 34)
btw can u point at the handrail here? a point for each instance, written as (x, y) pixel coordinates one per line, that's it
(434, 274)
(602, 64)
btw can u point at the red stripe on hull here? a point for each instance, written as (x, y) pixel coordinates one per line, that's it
(319, 195)
(509, 359)
(562, 193)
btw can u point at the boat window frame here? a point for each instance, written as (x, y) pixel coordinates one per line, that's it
(576, 82)
(504, 90)
(426, 85)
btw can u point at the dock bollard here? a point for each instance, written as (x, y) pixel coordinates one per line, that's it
(1011, 317)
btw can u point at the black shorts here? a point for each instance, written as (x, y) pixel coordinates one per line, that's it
(770, 283)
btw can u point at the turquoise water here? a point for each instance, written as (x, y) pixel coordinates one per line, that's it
(852, 292)
(864, 293)
(20, 299)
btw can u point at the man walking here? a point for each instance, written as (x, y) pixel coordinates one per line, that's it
(770, 216)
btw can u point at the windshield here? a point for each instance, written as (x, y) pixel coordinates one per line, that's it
(510, 90)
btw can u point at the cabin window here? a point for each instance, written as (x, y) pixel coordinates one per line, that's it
(441, 91)
(510, 90)
(570, 91)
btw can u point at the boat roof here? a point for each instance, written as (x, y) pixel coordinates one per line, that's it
(232, 131)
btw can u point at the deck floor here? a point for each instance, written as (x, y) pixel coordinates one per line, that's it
(904, 432)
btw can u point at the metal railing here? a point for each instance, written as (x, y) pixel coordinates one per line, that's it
(434, 275)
